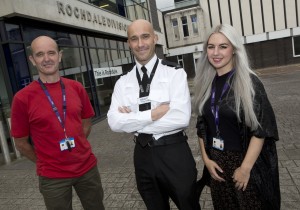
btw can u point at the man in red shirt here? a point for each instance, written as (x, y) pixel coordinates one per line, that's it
(56, 113)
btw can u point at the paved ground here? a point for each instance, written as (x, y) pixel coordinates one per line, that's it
(19, 186)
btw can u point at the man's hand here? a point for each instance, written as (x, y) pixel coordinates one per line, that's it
(159, 111)
(124, 109)
(25, 148)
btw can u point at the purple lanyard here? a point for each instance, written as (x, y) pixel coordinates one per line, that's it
(54, 108)
(215, 107)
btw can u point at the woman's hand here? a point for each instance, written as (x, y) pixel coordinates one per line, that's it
(212, 167)
(241, 175)
(241, 178)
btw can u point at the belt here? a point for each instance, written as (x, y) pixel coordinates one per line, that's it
(147, 139)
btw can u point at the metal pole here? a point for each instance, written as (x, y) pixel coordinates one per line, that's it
(17, 153)
(4, 145)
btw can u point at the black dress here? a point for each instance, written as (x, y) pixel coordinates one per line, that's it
(262, 191)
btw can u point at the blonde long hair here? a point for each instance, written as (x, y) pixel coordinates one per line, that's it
(242, 84)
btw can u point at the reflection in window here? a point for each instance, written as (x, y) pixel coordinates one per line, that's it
(121, 50)
(4, 101)
(296, 46)
(175, 29)
(19, 62)
(180, 61)
(71, 57)
(102, 56)
(73, 65)
(91, 41)
(30, 33)
(185, 26)
(13, 32)
(194, 24)
(100, 42)
(114, 51)
(137, 9)
(115, 6)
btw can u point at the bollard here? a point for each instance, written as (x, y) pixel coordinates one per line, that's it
(17, 153)
(4, 146)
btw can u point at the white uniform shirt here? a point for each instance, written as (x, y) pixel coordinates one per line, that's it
(169, 85)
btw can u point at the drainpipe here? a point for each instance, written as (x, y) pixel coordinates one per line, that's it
(17, 153)
(4, 146)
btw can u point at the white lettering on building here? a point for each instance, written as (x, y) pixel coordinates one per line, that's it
(67, 9)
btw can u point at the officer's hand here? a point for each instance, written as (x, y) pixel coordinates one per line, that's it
(124, 109)
(159, 111)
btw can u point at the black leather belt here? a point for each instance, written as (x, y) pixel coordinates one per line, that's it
(148, 140)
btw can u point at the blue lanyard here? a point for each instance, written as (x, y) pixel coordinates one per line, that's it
(54, 108)
(215, 107)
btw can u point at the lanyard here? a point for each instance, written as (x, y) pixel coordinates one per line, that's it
(215, 107)
(149, 81)
(54, 108)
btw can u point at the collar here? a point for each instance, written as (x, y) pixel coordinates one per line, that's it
(149, 66)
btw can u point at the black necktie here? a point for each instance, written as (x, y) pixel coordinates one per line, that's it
(144, 81)
(144, 92)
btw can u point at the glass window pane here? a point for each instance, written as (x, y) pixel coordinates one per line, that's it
(20, 64)
(94, 58)
(185, 26)
(100, 43)
(121, 45)
(101, 54)
(114, 54)
(73, 64)
(13, 32)
(139, 12)
(297, 46)
(113, 44)
(31, 33)
(175, 29)
(67, 39)
(194, 24)
(91, 41)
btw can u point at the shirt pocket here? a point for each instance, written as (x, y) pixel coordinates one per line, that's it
(131, 97)
(160, 93)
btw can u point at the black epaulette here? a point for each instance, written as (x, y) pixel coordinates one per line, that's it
(171, 64)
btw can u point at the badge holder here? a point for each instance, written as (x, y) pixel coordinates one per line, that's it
(218, 143)
(67, 144)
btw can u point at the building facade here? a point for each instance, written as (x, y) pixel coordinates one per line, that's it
(92, 35)
(269, 29)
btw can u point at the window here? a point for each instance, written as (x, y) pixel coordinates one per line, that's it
(185, 26)
(175, 29)
(13, 32)
(180, 60)
(296, 46)
(194, 24)
(137, 9)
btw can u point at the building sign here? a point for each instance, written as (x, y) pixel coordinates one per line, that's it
(107, 72)
(85, 15)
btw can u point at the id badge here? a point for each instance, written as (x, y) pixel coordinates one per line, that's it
(143, 100)
(218, 143)
(67, 144)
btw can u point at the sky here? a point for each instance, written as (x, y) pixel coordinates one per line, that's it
(164, 4)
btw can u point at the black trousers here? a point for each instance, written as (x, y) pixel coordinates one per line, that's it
(164, 172)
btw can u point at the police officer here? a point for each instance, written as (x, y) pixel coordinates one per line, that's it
(153, 102)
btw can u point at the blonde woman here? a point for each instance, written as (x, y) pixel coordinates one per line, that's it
(236, 126)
